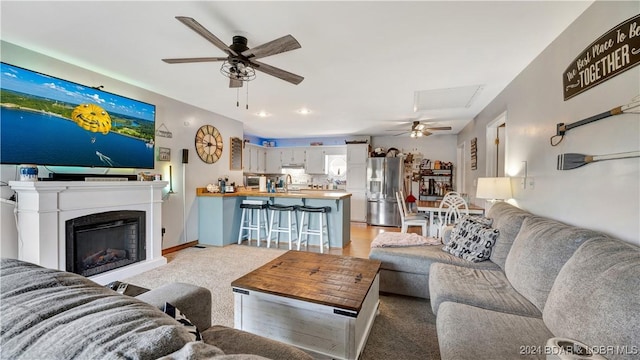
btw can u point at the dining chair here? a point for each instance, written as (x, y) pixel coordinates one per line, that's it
(452, 208)
(410, 220)
(404, 205)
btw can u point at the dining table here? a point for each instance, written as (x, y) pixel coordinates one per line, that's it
(432, 207)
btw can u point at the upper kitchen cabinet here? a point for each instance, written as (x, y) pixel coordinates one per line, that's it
(254, 159)
(357, 154)
(316, 161)
(293, 156)
(273, 163)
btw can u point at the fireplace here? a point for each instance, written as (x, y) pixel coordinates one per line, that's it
(102, 242)
(46, 206)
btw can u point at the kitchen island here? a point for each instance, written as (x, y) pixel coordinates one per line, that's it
(219, 214)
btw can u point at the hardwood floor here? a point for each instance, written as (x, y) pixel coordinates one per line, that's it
(361, 237)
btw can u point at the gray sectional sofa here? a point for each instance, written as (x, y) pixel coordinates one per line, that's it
(52, 314)
(544, 279)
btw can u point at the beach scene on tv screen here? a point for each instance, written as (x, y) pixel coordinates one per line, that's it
(49, 121)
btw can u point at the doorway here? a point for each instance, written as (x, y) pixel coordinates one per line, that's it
(497, 146)
(461, 169)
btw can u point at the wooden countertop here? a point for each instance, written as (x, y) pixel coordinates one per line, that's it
(299, 194)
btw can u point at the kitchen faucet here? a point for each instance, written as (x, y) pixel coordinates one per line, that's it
(287, 181)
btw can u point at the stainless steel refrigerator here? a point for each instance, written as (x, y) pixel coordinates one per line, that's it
(384, 177)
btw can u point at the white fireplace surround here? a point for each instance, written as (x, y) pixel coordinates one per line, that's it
(45, 206)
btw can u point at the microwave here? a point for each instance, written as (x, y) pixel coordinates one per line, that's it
(252, 182)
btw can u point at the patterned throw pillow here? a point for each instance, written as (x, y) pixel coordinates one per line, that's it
(472, 239)
(478, 219)
(176, 314)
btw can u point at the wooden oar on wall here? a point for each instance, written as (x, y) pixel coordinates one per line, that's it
(571, 160)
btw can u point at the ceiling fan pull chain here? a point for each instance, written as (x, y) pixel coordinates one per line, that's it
(247, 105)
(238, 97)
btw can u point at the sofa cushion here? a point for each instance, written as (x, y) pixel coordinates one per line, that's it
(468, 332)
(541, 248)
(487, 289)
(471, 240)
(596, 296)
(59, 315)
(507, 219)
(418, 259)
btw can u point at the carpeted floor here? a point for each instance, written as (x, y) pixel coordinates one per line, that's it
(404, 329)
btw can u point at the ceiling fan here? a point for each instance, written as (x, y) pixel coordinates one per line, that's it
(418, 129)
(240, 64)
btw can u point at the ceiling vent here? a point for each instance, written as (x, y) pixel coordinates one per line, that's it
(451, 98)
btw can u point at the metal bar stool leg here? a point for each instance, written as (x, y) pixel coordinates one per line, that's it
(290, 228)
(264, 224)
(271, 230)
(300, 238)
(321, 233)
(242, 227)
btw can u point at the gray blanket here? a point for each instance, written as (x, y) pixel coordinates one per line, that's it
(50, 314)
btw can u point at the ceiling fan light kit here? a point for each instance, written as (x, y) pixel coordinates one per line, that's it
(419, 130)
(240, 65)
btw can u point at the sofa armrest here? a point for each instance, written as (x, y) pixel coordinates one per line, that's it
(234, 341)
(193, 301)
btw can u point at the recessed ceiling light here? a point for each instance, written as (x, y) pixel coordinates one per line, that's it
(304, 111)
(263, 113)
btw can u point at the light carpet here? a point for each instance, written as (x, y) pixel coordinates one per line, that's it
(404, 329)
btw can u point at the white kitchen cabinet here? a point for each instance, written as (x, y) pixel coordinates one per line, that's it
(246, 158)
(356, 177)
(294, 155)
(261, 154)
(357, 155)
(316, 163)
(254, 159)
(358, 206)
(272, 161)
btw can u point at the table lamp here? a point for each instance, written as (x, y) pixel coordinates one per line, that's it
(494, 188)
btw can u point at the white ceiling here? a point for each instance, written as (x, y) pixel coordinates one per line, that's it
(362, 61)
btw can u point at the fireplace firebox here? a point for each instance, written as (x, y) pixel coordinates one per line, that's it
(101, 242)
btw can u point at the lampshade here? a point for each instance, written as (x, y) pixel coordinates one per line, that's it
(494, 188)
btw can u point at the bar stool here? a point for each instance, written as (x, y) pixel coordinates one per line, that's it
(253, 210)
(305, 228)
(290, 228)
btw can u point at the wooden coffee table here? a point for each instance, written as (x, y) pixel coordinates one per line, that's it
(325, 304)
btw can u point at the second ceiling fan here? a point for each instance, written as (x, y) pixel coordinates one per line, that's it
(418, 129)
(240, 63)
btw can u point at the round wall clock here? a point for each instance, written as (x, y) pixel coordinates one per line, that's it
(209, 144)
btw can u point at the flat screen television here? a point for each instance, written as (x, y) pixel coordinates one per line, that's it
(50, 121)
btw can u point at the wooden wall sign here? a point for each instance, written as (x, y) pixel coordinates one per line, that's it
(611, 54)
(474, 153)
(235, 159)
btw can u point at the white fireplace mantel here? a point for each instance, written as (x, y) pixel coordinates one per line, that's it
(45, 206)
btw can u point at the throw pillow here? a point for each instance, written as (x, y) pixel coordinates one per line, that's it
(471, 240)
(478, 219)
(175, 313)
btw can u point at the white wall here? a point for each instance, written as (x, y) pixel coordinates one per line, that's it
(181, 119)
(604, 196)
